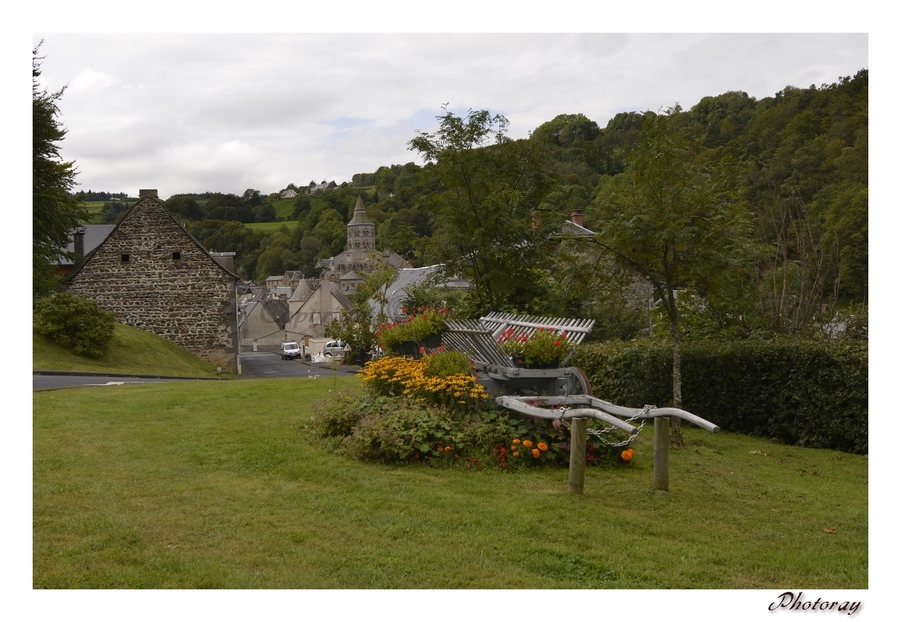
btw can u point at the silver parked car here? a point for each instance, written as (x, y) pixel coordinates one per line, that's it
(335, 349)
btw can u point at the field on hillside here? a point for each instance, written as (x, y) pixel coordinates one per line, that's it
(224, 485)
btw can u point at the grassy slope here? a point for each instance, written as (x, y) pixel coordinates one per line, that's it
(131, 351)
(222, 485)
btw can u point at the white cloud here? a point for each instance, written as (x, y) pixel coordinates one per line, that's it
(91, 81)
(326, 106)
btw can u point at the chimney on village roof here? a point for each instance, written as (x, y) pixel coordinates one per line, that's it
(79, 241)
(144, 193)
(578, 217)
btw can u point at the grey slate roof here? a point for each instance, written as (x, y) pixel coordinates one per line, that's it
(396, 294)
(93, 237)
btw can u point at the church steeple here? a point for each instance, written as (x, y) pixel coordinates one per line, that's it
(360, 229)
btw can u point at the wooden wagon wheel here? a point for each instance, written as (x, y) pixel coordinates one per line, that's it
(577, 382)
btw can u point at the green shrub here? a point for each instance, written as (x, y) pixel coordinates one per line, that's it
(808, 393)
(446, 364)
(400, 430)
(75, 323)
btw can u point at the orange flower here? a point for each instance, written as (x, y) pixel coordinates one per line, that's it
(516, 441)
(542, 446)
(516, 454)
(535, 453)
(627, 455)
(527, 443)
(447, 449)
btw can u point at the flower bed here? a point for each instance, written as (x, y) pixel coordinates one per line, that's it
(431, 379)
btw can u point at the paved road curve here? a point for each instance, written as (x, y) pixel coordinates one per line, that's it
(253, 365)
(64, 380)
(271, 365)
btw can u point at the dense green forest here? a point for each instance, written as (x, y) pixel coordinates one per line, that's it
(791, 170)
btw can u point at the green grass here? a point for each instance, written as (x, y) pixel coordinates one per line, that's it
(131, 351)
(271, 226)
(222, 485)
(283, 207)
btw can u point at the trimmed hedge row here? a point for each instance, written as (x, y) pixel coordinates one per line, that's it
(808, 393)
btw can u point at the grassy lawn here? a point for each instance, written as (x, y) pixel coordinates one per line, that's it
(131, 351)
(221, 485)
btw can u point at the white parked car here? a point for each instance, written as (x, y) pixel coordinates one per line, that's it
(291, 350)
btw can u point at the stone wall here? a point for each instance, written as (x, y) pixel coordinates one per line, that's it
(154, 276)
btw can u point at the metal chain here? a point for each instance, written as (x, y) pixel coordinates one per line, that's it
(598, 433)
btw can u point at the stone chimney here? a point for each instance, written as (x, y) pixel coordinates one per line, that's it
(578, 217)
(79, 241)
(147, 193)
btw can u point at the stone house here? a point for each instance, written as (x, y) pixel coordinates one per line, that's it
(314, 304)
(155, 276)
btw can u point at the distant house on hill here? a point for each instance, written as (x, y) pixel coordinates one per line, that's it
(155, 276)
(325, 185)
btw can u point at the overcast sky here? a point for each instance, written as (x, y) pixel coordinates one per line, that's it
(227, 112)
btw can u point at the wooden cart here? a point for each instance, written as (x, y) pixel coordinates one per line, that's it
(562, 392)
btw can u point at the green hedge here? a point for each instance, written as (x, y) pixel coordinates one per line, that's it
(809, 393)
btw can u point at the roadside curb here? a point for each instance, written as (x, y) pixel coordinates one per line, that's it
(48, 372)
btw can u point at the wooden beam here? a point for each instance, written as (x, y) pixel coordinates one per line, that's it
(577, 455)
(661, 453)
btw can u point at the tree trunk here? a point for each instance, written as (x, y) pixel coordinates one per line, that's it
(676, 438)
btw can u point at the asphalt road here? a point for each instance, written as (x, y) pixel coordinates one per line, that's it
(271, 365)
(65, 380)
(253, 365)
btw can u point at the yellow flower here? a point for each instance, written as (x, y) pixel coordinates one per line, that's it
(516, 441)
(542, 446)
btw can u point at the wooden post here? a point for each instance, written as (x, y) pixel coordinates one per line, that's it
(661, 452)
(577, 453)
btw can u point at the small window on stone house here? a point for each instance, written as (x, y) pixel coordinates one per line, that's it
(126, 257)
(176, 255)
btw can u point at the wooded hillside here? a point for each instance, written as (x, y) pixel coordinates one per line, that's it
(797, 165)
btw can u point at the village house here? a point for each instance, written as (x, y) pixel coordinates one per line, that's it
(262, 317)
(325, 185)
(314, 304)
(155, 276)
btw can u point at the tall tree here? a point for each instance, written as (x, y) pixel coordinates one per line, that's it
(486, 210)
(672, 218)
(55, 212)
